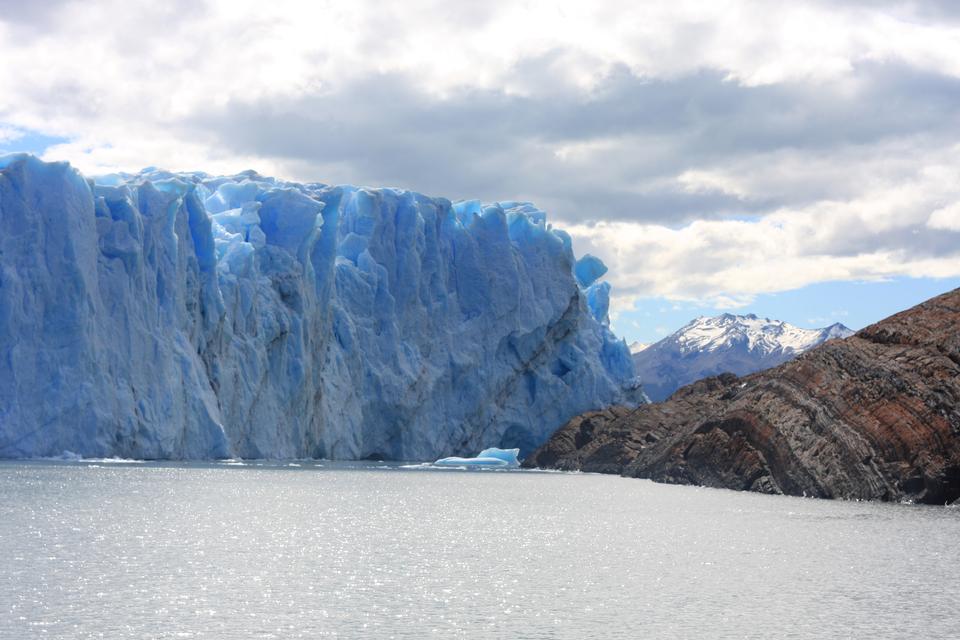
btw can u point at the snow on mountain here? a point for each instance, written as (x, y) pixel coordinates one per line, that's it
(164, 315)
(709, 346)
(637, 346)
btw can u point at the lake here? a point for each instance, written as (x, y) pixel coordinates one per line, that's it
(318, 549)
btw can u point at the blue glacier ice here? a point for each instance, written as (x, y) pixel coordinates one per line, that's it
(588, 270)
(183, 315)
(492, 457)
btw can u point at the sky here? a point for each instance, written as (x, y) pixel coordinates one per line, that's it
(797, 160)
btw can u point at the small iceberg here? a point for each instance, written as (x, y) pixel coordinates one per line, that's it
(492, 457)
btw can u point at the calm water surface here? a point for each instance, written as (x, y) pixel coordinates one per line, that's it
(107, 550)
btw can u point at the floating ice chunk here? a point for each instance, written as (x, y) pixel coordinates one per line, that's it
(455, 461)
(492, 457)
(507, 455)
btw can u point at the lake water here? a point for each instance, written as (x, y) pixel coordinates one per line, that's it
(108, 550)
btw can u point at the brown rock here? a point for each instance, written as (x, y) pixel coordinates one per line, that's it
(875, 416)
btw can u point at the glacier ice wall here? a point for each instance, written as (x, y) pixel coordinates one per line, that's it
(166, 315)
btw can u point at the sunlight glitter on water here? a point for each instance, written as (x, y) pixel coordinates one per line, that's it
(375, 550)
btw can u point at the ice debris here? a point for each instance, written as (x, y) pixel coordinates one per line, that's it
(492, 457)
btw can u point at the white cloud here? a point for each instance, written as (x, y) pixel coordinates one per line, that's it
(946, 218)
(9, 134)
(707, 180)
(125, 78)
(880, 234)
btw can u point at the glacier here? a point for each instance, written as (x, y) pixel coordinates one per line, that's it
(167, 315)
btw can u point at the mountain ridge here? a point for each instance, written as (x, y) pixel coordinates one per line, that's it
(710, 345)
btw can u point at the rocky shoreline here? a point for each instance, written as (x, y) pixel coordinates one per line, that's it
(875, 416)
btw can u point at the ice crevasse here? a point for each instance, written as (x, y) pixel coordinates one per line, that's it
(182, 315)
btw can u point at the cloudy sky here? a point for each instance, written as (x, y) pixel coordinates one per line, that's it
(799, 160)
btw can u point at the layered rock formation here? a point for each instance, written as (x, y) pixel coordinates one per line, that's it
(874, 416)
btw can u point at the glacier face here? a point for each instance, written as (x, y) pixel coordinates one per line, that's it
(164, 315)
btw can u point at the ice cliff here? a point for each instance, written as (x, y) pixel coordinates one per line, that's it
(166, 315)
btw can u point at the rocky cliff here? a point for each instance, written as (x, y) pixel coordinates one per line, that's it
(875, 416)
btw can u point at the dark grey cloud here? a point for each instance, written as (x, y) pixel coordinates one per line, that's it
(918, 241)
(31, 18)
(935, 11)
(30, 12)
(493, 145)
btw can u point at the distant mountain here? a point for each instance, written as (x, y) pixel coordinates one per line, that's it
(875, 416)
(637, 347)
(726, 343)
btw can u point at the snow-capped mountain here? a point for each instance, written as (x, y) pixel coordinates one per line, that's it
(709, 346)
(181, 315)
(637, 347)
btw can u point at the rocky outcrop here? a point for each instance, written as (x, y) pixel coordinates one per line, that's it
(875, 416)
